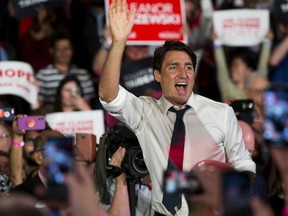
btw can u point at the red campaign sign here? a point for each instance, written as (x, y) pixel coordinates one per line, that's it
(155, 21)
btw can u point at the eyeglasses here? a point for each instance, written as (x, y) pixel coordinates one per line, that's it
(4, 135)
(258, 91)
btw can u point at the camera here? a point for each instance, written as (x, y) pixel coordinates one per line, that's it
(31, 123)
(133, 163)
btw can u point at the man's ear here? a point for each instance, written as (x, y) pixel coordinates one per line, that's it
(157, 75)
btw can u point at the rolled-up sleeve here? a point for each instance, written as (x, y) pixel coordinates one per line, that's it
(115, 105)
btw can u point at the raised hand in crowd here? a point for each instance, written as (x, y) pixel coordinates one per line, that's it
(259, 208)
(16, 154)
(120, 23)
(120, 26)
(120, 201)
(209, 201)
(80, 103)
(82, 193)
(281, 159)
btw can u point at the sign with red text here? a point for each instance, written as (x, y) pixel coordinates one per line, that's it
(17, 78)
(155, 21)
(70, 123)
(243, 27)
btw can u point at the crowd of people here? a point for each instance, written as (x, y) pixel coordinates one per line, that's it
(177, 99)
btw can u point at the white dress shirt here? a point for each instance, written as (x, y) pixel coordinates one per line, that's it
(212, 132)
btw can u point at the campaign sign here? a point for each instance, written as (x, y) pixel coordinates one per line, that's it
(241, 27)
(70, 123)
(17, 78)
(25, 8)
(155, 21)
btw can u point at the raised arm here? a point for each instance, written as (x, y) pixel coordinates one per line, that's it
(120, 23)
(265, 54)
(227, 87)
(279, 52)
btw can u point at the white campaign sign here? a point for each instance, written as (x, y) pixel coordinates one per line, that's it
(241, 27)
(70, 123)
(17, 78)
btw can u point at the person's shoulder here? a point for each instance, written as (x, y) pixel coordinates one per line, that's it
(148, 99)
(77, 70)
(47, 70)
(204, 101)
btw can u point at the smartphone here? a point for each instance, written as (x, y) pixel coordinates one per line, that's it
(85, 147)
(58, 161)
(75, 91)
(7, 113)
(31, 123)
(244, 110)
(236, 193)
(176, 181)
(275, 131)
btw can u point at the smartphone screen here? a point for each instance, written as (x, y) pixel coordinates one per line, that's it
(236, 192)
(276, 116)
(176, 181)
(7, 114)
(58, 161)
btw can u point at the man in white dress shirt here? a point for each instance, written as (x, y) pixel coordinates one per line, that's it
(212, 130)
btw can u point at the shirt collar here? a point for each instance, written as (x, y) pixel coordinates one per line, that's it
(165, 105)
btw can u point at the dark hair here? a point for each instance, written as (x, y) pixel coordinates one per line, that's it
(41, 139)
(98, 3)
(57, 36)
(245, 54)
(58, 100)
(272, 177)
(171, 45)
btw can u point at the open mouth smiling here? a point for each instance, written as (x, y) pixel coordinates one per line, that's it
(180, 87)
